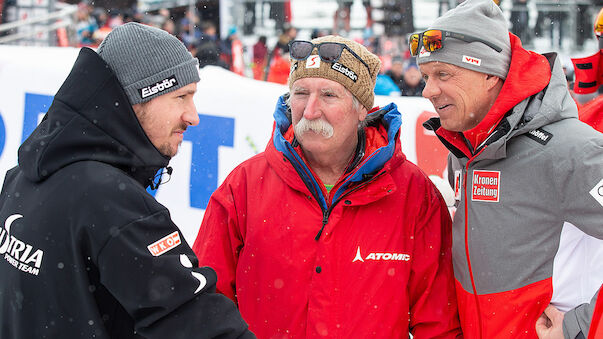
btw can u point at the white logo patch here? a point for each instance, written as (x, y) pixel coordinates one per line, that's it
(358, 256)
(382, 256)
(21, 255)
(186, 262)
(597, 192)
(158, 87)
(313, 61)
(423, 52)
(472, 60)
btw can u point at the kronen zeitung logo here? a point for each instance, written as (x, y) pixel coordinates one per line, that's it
(20, 254)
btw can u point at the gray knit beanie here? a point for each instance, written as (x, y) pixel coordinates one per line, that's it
(481, 19)
(148, 61)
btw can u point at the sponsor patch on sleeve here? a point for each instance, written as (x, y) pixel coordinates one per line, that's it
(486, 186)
(597, 192)
(164, 244)
(540, 136)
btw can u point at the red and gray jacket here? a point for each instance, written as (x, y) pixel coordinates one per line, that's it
(370, 259)
(529, 222)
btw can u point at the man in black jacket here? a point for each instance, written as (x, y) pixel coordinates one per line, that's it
(85, 251)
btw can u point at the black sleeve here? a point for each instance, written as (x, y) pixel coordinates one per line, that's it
(150, 269)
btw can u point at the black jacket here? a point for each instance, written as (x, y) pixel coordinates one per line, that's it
(79, 234)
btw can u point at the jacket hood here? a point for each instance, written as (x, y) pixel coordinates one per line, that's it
(379, 149)
(534, 94)
(90, 119)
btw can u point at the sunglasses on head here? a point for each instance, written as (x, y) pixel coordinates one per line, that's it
(327, 51)
(433, 39)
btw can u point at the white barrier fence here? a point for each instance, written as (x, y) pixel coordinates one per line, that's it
(235, 123)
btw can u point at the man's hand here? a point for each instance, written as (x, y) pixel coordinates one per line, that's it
(550, 324)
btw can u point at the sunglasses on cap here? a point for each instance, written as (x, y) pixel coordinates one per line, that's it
(327, 51)
(433, 39)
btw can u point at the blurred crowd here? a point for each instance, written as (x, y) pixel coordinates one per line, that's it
(399, 74)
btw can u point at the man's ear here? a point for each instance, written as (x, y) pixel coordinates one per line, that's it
(362, 114)
(492, 81)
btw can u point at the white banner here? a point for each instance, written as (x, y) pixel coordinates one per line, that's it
(235, 124)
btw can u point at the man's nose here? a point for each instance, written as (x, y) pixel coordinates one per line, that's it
(190, 115)
(431, 89)
(312, 109)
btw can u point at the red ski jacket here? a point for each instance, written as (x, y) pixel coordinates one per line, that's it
(370, 259)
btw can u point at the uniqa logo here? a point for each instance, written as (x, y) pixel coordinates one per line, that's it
(17, 252)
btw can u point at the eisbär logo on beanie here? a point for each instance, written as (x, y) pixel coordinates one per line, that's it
(147, 61)
(158, 87)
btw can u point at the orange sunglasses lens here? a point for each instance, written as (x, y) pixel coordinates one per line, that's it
(599, 24)
(413, 43)
(432, 40)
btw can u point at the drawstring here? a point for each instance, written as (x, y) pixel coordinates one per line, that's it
(157, 179)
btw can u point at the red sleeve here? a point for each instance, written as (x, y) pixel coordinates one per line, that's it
(433, 306)
(219, 241)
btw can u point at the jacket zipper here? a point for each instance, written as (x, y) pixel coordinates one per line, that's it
(327, 212)
(475, 296)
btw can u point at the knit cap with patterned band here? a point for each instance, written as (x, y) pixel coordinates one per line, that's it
(350, 72)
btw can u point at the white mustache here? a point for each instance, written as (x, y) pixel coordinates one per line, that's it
(318, 126)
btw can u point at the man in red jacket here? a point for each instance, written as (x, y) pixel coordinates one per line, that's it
(528, 176)
(330, 232)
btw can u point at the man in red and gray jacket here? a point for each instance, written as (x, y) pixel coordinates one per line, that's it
(330, 232)
(528, 176)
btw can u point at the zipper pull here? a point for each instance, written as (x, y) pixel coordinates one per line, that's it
(325, 220)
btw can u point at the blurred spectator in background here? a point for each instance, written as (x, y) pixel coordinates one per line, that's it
(280, 12)
(341, 18)
(102, 19)
(232, 51)
(520, 18)
(413, 83)
(85, 25)
(317, 33)
(396, 72)
(207, 48)
(589, 81)
(553, 17)
(189, 29)
(282, 47)
(260, 53)
(278, 70)
(289, 34)
(169, 26)
(384, 85)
